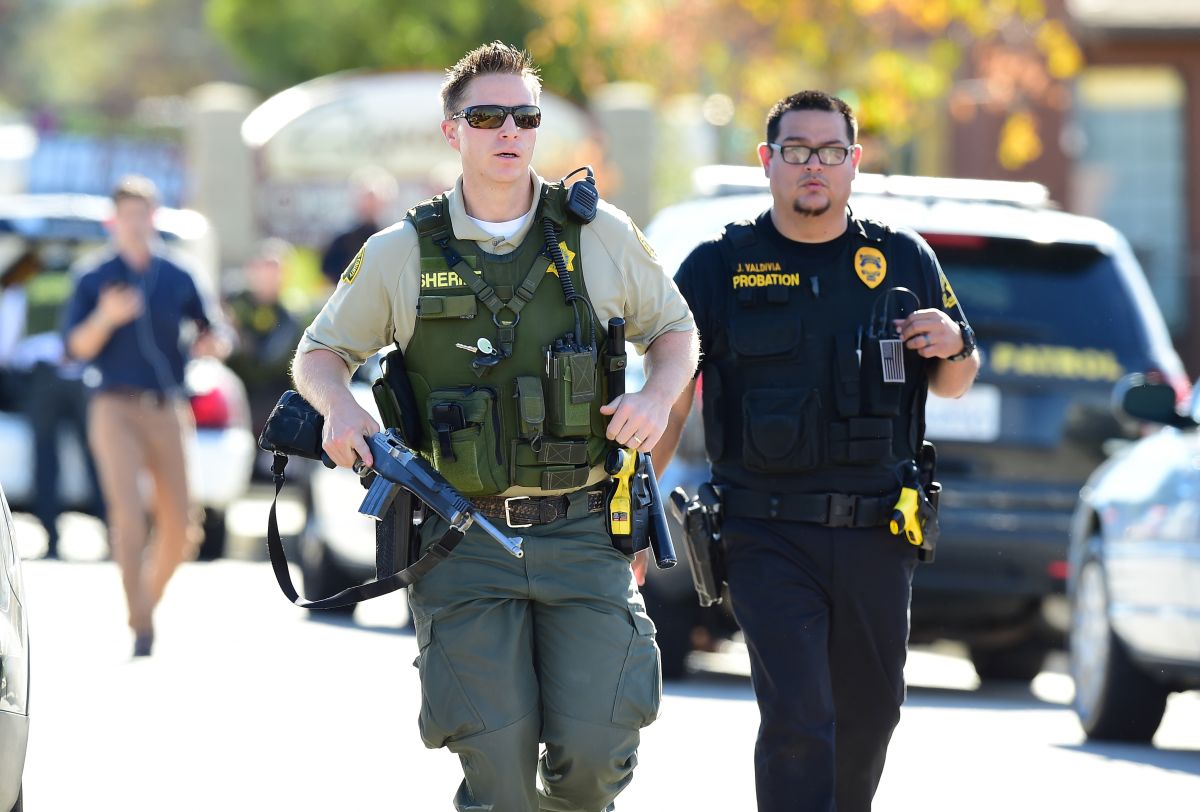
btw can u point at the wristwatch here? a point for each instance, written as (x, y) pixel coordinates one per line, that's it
(968, 340)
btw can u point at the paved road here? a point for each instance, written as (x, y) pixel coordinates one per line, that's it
(248, 704)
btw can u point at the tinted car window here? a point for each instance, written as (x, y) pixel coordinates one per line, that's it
(1063, 294)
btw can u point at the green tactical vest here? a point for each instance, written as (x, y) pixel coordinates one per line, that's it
(533, 419)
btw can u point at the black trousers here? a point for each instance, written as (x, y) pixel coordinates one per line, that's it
(55, 406)
(825, 616)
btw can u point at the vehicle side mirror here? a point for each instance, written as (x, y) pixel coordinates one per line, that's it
(1135, 397)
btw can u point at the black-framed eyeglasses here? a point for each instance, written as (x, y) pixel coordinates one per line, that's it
(492, 116)
(800, 154)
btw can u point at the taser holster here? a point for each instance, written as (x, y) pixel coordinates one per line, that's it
(701, 521)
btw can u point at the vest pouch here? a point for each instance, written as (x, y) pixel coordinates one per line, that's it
(531, 407)
(713, 413)
(764, 335)
(879, 399)
(570, 393)
(860, 441)
(781, 430)
(447, 307)
(466, 439)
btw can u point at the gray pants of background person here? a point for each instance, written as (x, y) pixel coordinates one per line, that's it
(555, 647)
(129, 434)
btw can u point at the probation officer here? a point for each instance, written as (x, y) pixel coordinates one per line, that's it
(556, 647)
(810, 432)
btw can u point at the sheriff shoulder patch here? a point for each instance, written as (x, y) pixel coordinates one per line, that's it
(352, 271)
(645, 243)
(870, 266)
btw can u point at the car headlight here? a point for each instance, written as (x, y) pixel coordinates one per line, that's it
(14, 627)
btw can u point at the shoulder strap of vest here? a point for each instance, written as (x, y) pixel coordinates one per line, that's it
(740, 235)
(871, 231)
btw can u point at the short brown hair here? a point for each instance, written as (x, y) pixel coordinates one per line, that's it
(495, 57)
(135, 187)
(811, 100)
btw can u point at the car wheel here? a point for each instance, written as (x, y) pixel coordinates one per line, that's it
(1020, 661)
(324, 577)
(1114, 699)
(212, 545)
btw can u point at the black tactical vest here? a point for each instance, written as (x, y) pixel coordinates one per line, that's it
(793, 389)
(533, 419)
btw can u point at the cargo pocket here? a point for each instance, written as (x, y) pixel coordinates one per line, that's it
(713, 414)
(780, 430)
(639, 692)
(466, 439)
(446, 713)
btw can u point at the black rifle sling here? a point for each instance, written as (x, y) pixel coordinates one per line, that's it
(438, 552)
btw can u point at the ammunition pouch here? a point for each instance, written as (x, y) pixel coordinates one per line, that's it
(700, 518)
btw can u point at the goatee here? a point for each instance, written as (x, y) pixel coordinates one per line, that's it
(810, 211)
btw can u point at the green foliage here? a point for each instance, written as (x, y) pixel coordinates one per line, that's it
(285, 42)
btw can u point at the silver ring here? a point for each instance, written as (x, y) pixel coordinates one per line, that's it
(928, 340)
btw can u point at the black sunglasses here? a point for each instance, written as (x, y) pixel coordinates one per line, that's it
(492, 116)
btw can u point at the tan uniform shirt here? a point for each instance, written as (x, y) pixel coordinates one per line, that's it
(375, 301)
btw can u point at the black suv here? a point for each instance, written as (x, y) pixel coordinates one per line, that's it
(1061, 310)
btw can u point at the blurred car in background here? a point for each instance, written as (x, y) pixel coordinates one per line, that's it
(14, 666)
(1061, 310)
(67, 229)
(1134, 580)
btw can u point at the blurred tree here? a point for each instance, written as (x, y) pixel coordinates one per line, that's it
(288, 41)
(895, 61)
(99, 60)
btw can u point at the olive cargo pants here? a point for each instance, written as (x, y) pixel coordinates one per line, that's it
(555, 647)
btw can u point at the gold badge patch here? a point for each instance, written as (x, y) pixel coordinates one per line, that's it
(645, 243)
(570, 257)
(949, 300)
(352, 271)
(870, 266)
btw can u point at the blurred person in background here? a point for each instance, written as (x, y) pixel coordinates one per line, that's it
(374, 191)
(38, 379)
(124, 320)
(813, 401)
(267, 332)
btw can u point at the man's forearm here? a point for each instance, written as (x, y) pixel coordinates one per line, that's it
(952, 379)
(322, 378)
(671, 362)
(87, 339)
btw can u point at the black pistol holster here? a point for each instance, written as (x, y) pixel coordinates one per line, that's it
(700, 518)
(927, 473)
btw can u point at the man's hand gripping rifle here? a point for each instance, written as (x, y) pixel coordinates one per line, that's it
(397, 466)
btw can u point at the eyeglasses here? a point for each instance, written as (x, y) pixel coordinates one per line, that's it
(492, 116)
(800, 154)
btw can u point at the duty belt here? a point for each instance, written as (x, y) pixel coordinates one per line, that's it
(828, 509)
(526, 511)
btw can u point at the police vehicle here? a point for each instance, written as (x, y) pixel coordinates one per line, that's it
(1135, 571)
(1061, 310)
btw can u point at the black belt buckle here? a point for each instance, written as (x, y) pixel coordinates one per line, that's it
(842, 510)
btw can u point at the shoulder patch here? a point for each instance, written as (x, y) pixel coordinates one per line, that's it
(645, 243)
(949, 300)
(870, 266)
(352, 271)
